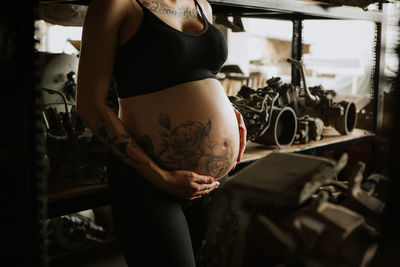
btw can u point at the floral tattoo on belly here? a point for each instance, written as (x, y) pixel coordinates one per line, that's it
(188, 146)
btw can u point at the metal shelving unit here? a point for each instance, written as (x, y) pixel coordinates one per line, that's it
(299, 10)
(296, 11)
(66, 197)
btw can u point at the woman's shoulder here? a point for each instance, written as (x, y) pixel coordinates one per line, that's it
(113, 16)
(114, 9)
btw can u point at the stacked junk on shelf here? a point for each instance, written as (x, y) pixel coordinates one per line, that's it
(299, 215)
(281, 113)
(73, 151)
(73, 154)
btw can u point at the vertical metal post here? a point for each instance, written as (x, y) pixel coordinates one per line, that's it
(297, 48)
(378, 77)
(377, 87)
(23, 139)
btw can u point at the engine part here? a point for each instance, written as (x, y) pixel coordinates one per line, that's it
(342, 116)
(267, 121)
(299, 65)
(283, 125)
(345, 123)
(319, 103)
(309, 129)
(270, 215)
(270, 113)
(288, 186)
(74, 230)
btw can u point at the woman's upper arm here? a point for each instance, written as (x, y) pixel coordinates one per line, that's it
(99, 43)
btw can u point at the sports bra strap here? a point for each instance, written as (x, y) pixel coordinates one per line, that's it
(201, 10)
(140, 4)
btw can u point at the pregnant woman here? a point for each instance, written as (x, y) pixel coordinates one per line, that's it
(176, 136)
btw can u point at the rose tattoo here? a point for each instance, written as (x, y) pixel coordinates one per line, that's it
(188, 147)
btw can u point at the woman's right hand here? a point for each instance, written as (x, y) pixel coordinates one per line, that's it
(187, 184)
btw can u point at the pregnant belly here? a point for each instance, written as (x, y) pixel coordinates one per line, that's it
(191, 126)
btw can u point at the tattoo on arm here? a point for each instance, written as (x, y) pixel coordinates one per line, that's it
(188, 146)
(124, 141)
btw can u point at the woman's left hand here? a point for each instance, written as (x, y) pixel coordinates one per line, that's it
(242, 134)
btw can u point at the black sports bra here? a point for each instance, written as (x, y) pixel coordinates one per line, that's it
(160, 56)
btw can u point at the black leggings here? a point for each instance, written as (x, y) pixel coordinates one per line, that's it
(154, 227)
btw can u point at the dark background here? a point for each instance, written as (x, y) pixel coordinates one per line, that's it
(22, 141)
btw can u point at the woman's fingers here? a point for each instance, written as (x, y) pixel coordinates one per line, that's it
(191, 185)
(202, 179)
(242, 133)
(206, 188)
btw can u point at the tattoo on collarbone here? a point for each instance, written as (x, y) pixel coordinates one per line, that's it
(182, 11)
(120, 142)
(188, 147)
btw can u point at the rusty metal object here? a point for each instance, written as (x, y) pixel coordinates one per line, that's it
(283, 128)
(342, 116)
(266, 215)
(280, 113)
(308, 129)
(320, 103)
(268, 117)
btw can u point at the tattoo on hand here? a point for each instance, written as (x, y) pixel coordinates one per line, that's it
(181, 12)
(188, 146)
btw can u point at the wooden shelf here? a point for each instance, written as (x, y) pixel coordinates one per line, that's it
(332, 140)
(67, 196)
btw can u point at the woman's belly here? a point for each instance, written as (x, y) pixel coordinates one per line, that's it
(191, 126)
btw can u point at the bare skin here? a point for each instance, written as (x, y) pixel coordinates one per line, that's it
(183, 138)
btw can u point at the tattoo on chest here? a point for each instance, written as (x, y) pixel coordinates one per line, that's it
(188, 146)
(182, 11)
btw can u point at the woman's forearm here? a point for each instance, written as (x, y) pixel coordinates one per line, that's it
(111, 131)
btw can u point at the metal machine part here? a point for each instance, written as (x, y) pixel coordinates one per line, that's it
(299, 65)
(280, 113)
(309, 129)
(267, 215)
(284, 124)
(319, 103)
(342, 116)
(74, 230)
(268, 118)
